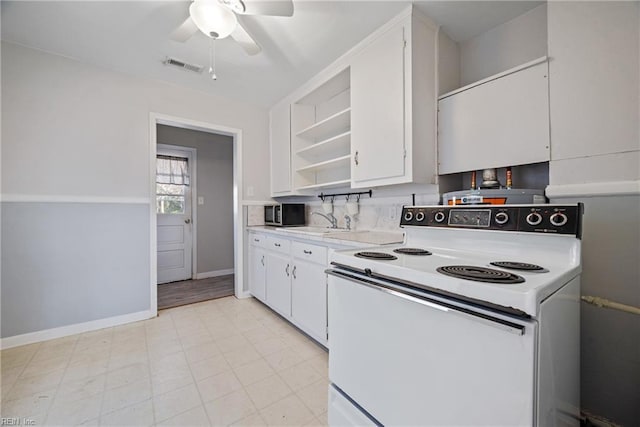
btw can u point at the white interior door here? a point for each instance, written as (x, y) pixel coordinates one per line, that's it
(174, 219)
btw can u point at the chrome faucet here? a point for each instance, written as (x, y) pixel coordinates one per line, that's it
(332, 219)
(347, 219)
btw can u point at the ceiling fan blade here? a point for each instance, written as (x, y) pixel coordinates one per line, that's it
(247, 42)
(184, 32)
(268, 7)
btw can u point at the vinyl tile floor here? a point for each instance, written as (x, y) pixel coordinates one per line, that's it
(219, 362)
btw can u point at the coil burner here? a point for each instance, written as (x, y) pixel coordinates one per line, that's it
(412, 251)
(512, 265)
(480, 274)
(376, 255)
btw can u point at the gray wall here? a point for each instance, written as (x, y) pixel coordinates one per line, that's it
(67, 263)
(214, 183)
(610, 339)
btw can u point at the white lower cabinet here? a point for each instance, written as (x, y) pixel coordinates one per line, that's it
(309, 297)
(257, 266)
(279, 283)
(257, 272)
(288, 276)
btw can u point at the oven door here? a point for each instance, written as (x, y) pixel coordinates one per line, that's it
(409, 358)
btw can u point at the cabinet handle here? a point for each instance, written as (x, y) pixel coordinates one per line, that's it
(277, 244)
(355, 158)
(287, 270)
(294, 272)
(262, 260)
(256, 240)
(307, 252)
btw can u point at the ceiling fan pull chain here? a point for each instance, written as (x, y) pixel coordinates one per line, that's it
(212, 59)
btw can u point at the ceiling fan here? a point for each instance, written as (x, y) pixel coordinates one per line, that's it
(217, 19)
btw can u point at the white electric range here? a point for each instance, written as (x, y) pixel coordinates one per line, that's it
(474, 320)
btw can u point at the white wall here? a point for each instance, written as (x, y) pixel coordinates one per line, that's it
(76, 143)
(508, 45)
(66, 124)
(448, 64)
(594, 92)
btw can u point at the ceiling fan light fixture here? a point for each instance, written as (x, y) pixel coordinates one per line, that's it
(236, 5)
(213, 18)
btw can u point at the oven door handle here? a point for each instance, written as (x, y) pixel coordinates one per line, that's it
(378, 284)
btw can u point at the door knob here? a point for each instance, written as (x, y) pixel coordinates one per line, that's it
(187, 221)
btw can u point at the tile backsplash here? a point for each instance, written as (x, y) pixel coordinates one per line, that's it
(255, 215)
(381, 213)
(374, 213)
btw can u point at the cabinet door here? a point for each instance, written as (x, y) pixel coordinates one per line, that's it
(500, 123)
(378, 110)
(280, 149)
(309, 297)
(257, 272)
(279, 283)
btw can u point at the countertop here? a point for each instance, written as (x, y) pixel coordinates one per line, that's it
(354, 238)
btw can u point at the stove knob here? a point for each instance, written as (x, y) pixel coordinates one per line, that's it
(420, 216)
(439, 216)
(408, 216)
(502, 218)
(558, 219)
(534, 218)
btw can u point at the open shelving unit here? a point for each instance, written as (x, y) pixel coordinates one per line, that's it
(326, 165)
(329, 126)
(334, 146)
(321, 135)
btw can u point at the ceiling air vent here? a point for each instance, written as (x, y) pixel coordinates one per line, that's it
(183, 65)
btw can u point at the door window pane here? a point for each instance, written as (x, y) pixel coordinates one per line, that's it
(172, 179)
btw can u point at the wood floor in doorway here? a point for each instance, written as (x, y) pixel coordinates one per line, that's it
(191, 291)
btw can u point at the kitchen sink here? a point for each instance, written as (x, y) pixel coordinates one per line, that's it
(313, 230)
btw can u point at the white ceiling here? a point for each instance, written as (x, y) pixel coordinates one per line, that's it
(133, 37)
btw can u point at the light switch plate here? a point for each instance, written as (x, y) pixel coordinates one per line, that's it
(250, 191)
(201, 200)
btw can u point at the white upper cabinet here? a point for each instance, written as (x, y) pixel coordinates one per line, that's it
(280, 150)
(377, 99)
(321, 135)
(500, 121)
(393, 103)
(369, 119)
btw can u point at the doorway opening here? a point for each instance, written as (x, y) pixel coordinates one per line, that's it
(196, 234)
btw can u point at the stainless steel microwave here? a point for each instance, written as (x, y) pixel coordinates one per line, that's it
(284, 214)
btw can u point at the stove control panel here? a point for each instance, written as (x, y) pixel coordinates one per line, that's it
(552, 219)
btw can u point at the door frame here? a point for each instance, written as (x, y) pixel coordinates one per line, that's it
(192, 156)
(238, 243)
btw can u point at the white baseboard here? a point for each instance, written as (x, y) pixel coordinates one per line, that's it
(243, 295)
(78, 328)
(216, 273)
